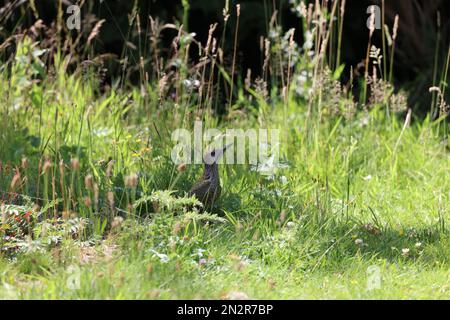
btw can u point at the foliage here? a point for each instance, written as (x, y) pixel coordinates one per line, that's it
(88, 189)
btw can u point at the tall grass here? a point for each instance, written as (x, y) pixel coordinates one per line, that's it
(360, 183)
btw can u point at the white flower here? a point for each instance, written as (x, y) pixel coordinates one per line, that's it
(359, 242)
(405, 251)
(290, 225)
(418, 244)
(309, 39)
(102, 132)
(163, 257)
(283, 180)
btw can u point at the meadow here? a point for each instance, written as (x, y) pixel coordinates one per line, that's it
(93, 207)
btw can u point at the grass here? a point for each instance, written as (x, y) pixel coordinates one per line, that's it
(93, 207)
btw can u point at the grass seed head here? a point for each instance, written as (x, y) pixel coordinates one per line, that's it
(75, 164)
(131, 181)
(47, 166)
(15, 180)
(24, 163)
(89, 182)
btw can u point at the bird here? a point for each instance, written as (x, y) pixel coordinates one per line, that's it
(207, 190)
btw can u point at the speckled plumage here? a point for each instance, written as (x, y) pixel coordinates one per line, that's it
(208, 189)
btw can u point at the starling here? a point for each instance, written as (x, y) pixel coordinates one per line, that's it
(208, 189)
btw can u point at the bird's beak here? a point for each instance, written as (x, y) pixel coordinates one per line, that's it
(222, 151)
(226, 147)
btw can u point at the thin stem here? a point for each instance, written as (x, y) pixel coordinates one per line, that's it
(238, 10)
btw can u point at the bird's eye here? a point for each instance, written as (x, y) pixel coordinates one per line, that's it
(213, 154)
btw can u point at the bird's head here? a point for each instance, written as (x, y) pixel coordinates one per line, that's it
(214, 155)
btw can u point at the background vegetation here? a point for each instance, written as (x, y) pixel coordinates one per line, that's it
(93, 207)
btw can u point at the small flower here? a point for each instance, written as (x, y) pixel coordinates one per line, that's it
(418, 244)
(28, 215)
(117, 222)
(359, 242)
(290, 225)
(405, 251)
(162, 257)
(202, 262)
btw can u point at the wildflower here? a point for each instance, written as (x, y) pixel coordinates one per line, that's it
(398, 102)
(102, 132)
(376, 55)
(28, 215)
(261, 88)
(418, 244)
(309, 40)
(117, 222)
(290, 225)
(444, 108)
(359, 242)
(162, 257)
(405, 252)
(191, 84)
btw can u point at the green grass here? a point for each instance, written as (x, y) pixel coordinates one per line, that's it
(294, 235)
(357, 192)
